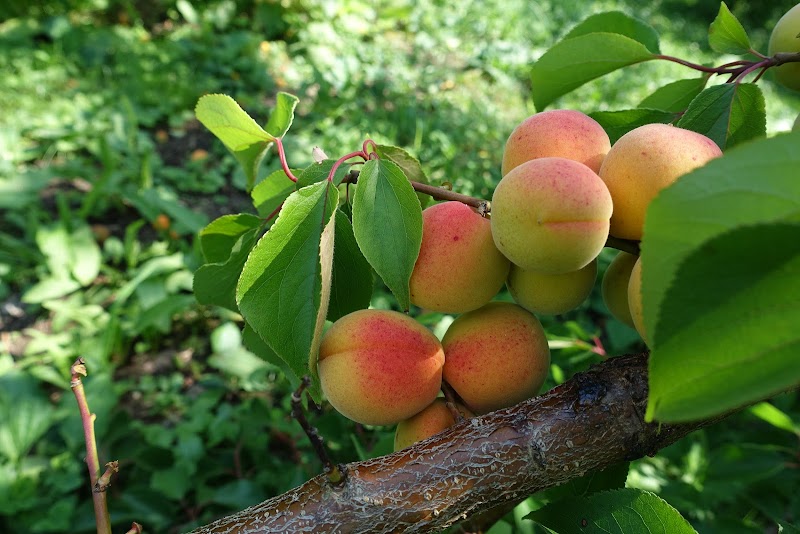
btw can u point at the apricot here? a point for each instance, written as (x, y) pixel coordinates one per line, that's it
(643, 162)
(561, 133)
(635, 298)
(430, 421)
(615, 287)
(459, 268)
(786, 38)
(551, 293)
(378, 367)
(495, 356)
(551, 215)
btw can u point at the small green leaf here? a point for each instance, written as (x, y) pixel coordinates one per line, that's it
(387, 222)
(726, 34)
(237, 130)
(752, 193)
(618, 123)
(573, 62)
(774, 416)
(675, 96)
(351, 285)
(85, 256)
(215, 283)
(260, 348)
(271, 192)
(218, 238)
(619, 511)
(316, 172)
(620, 23)
(728, 113)
(282, 116)
(284, 288)
(409, 165)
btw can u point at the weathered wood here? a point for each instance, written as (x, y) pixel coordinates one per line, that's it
(593, 421)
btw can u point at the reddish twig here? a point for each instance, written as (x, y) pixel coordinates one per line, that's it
(282, 156)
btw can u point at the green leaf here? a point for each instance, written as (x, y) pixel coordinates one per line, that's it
(726, 34)
(49, 289)
(408, 164)
(282, 116)
(316, 172)
(620, 511)
(351, 283)
(85, 256)
(238, 131)
(753, 190)
(271, 192)
(214, 284)
(284, 289)
(727, 333)
(26, 414)
(219, 237)
(774, 416)
(260, 348)
(675, 96)
(613, 477)
(571, 63)
(387, 222)
(620, 23)
(618, 123)
(728, 113)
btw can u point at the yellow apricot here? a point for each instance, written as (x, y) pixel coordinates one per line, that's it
(643, 162)
(551, 215)
(561, 133)
(551, 293)
(430, 421)
(635, 298)
(495, 356)
(459, 268)
(615, 287)
(786, 38)
(378, 367)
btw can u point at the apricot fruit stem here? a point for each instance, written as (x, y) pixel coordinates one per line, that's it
(451, 399)
(332, 471)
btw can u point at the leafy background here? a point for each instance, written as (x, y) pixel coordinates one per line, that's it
(105, 179)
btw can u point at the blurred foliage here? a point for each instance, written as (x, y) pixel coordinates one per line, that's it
(105, 179)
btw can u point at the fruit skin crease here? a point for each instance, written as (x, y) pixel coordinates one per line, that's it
(379, 367)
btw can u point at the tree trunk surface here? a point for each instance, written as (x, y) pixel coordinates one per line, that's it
(592, 421)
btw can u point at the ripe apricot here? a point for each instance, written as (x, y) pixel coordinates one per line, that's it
(561, 133)
(459, 268)
(551, 293)
(430, 421)
(615, 287)
(786, 38)
(643, 162)
(379, 367)
(551, 215)
(495, 356)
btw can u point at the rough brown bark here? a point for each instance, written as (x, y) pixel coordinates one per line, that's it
(593, 421)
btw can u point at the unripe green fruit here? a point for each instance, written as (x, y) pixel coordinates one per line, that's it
(496, 356)
(551, 294)
(635, 298)
(642, 163)
(560, 133)
(459, 268)
(379, 367)
(551, 215)
(432, 420)
(786, 38)
(615, 287)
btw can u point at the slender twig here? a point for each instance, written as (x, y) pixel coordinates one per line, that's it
(136, 528)
(102, 518)
(335, 475)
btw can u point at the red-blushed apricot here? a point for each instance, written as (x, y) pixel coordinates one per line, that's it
(430, 421)
(378, 367)
(615, 287)
(561, 133)
(635, 298)
(495, 356)
(551, 293)
(784, 38)
(551, 215)
(459, 268)
(643, 162)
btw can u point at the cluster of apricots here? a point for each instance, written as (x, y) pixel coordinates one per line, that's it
(564, 190)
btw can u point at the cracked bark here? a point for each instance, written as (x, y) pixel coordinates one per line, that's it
(592, 421)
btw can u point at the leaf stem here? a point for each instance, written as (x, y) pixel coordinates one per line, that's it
(102, 519)
(282, 156)
(358, 154)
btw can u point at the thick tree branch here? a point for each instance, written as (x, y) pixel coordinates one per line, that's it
(591, 422)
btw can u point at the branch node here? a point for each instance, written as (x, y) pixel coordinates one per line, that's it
(104, 481)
